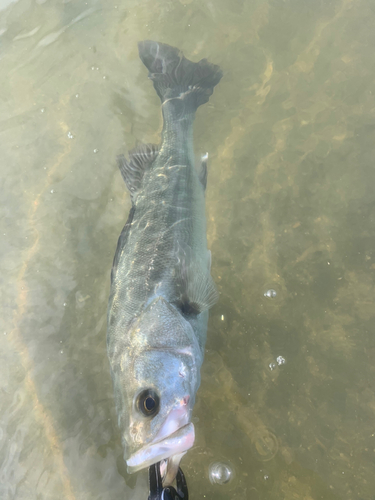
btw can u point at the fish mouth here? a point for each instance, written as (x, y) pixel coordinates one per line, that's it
(161, 449)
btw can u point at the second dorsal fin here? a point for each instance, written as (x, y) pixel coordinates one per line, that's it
(132, 170)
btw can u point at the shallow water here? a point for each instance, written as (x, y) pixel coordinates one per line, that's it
(287, 395)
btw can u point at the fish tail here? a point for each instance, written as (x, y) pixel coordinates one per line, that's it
(175, 77)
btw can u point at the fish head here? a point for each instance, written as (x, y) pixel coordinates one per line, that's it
(159, 424)
(161, 375)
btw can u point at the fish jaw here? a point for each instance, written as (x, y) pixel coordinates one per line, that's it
(162, 449)
(177, 418)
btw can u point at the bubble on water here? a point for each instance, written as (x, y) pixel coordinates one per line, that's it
(42, 110)
(96, 150)
(77, 95)
(264, 445)
(280, 360)
(61, 352)
(64, 304)
(104, 77)
(271, 293)
(92, 67)
(220, 473)
(272, 366)
(70, 135)
(52, 191)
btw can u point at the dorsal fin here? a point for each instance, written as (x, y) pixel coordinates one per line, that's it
(132, 170)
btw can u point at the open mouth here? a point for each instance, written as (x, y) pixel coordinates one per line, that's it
(160, 449)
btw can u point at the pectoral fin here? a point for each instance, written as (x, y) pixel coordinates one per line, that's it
(196, 289)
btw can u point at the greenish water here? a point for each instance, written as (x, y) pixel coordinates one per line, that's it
(290, 133)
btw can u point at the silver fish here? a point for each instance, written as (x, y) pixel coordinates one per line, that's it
(161, 287)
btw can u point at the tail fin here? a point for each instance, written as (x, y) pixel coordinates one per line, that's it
(174, 76)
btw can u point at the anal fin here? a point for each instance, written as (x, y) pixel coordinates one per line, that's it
(202, 172)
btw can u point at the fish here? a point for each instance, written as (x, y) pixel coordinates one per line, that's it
(161, 285)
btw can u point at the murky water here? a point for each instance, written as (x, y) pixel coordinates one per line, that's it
(288, 393)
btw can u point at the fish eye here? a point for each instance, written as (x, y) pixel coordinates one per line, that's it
(148, 403)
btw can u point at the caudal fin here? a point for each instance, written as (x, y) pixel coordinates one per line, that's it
(174, 76)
